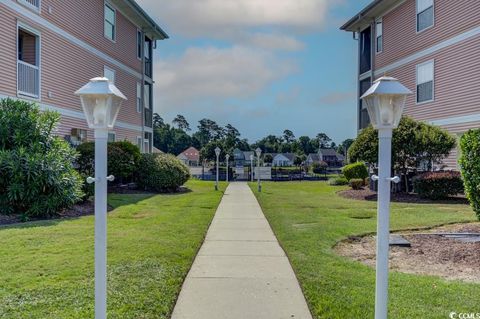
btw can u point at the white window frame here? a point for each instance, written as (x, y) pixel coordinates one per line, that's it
(377, 22)
(26, 27)
(148, 99)
(139, 98)
(417, 13)
(140, 143)
(110, 6)
(114, 137)
(417, 84)
(146, 145)
(106, 70)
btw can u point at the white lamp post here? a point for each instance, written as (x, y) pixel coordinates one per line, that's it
(227, 158)
(251, 166)
(217, 153)
(101, 102)
(385, 102)
(259, 152)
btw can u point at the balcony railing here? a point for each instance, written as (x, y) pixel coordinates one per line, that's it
(35, 4)
(28, 79)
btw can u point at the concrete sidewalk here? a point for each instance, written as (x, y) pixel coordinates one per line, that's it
(241, 272)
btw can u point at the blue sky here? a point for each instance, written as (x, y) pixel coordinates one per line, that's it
(261, 65)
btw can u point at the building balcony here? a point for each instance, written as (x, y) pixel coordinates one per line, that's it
(33, 4)
(148, 118)
(28, 79)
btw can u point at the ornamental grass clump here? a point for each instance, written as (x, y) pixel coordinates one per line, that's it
(37, 178)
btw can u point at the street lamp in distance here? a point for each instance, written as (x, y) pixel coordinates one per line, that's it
(101, 102)
(227, 157)
(385, 101)
(251, 167)
(217, 153)
(258, 151)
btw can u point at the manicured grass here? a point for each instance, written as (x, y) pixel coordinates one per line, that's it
(309, 219)
(47, 268)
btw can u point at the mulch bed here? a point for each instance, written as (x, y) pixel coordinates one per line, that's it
(81, 209)
(429, 254)
(367, 194)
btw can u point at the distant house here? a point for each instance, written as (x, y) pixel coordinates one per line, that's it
(284, 159)
(242, 158)
(327, 155)
(190, 157)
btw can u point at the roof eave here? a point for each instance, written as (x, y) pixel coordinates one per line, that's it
(155, 29)
(373, 10)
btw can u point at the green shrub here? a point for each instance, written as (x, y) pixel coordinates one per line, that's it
(356, 183)
(37, 178)
(161, 173)
(338, 181)
(438, 185)
(470, 166)
(319, 167)
(355, 171)
(123, 159)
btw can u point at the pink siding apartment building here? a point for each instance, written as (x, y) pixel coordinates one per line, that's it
(432, 47)
(50, 48)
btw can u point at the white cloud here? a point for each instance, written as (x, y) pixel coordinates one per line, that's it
(216, 74)
(272, 41)
(219, 17)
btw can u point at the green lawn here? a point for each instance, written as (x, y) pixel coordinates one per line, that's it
(47, 268)
(309, 218)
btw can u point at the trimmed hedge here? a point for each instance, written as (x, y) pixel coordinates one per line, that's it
(37, 177)
(338, 181)
(355, 171)
(356, 183)
(161, 173)
(470, 166)
(319, 167)
(438, 185)
(123, 159)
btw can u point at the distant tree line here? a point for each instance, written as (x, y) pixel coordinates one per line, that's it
(178, 136)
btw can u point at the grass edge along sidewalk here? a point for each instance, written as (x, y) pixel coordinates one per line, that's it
(310, 218)
(46, 269)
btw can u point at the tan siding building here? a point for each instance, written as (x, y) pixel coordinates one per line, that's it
(432, 47)
(52, 48)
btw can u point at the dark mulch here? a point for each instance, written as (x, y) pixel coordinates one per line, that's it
(367, 194)
(430, 253)
(83, 209)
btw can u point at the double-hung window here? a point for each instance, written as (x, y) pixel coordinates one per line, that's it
(424, 14)
(139, 97)
(425, 82)
(379, 35)
(110, 22)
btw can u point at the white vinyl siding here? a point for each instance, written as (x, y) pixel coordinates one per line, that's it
(110, 22)
(109, 74)
(379, 35)
(425, 14)
(139, 97)
(425, 82)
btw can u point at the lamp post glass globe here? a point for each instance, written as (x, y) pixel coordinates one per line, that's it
(385, 101)
(101, 101)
